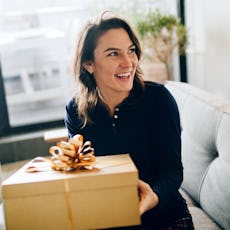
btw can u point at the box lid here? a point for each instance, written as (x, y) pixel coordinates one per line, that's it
(109, 171)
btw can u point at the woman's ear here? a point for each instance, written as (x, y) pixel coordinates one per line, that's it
(89, 66)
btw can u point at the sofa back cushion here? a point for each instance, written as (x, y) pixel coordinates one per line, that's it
(205, 121)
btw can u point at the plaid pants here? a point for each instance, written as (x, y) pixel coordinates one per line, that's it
(182, 224)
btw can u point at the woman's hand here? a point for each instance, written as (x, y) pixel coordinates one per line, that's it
(148, 198)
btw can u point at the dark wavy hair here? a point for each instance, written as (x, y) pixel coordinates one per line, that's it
(87, 97)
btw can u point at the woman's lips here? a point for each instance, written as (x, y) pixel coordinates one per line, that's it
(123, 75)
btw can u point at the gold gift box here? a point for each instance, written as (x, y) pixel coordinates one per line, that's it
(103, 197)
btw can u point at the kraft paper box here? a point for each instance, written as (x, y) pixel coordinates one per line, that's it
(103, 197)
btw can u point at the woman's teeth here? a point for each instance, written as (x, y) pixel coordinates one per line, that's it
(123, 75)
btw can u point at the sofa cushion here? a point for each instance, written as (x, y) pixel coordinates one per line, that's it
(190, 202)
(215, 190)
(205, 120)
(201, 220)
(199, 122)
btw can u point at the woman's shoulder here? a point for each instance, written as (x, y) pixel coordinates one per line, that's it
(71, 102)
(150, 84)
(71, 105)
(155, 88)
(159, 92)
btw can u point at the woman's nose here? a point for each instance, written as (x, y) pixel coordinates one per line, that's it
(126, 61)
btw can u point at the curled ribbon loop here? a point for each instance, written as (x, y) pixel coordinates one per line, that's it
(69, 155)
(72, 154)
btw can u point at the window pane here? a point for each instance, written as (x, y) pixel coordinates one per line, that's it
(36, 45)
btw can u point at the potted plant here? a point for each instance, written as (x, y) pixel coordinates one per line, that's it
(162, 34)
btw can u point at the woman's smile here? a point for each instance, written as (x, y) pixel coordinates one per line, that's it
(123, 76)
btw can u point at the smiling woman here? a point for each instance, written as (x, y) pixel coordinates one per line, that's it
(119, 113)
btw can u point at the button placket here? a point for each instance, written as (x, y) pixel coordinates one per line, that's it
(115, 118)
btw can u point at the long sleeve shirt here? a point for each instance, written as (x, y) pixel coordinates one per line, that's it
(149, 130)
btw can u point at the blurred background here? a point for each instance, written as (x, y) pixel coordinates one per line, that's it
(36, 45)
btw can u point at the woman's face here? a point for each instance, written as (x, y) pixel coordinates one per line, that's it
(115, 63)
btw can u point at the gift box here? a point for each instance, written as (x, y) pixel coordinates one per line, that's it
(104, 197)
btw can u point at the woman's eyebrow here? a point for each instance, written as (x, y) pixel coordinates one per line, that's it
(116, 49)
(111, 49)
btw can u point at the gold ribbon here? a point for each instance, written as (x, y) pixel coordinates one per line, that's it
(68, 202)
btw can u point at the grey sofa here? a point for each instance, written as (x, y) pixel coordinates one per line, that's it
(205, 121)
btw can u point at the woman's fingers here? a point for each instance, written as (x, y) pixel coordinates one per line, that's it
(148, 198)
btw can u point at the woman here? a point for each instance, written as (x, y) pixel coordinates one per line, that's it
(120, 113)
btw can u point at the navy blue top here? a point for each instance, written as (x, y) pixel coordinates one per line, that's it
(149, 130)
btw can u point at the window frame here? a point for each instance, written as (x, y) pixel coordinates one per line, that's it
(4, 116)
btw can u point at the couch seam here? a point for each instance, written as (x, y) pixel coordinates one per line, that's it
(218, 126)
(206, 171)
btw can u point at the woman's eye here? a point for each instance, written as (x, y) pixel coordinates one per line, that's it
(132, 50)
(113, 54)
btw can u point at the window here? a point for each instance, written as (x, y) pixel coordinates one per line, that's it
(36, 44)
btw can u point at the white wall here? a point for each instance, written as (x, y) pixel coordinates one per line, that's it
(208, 22)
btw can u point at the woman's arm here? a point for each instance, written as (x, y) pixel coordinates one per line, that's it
(170, 170)
(71, 119)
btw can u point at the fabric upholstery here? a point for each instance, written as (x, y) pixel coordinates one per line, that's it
(205, 121)
(201, 220)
